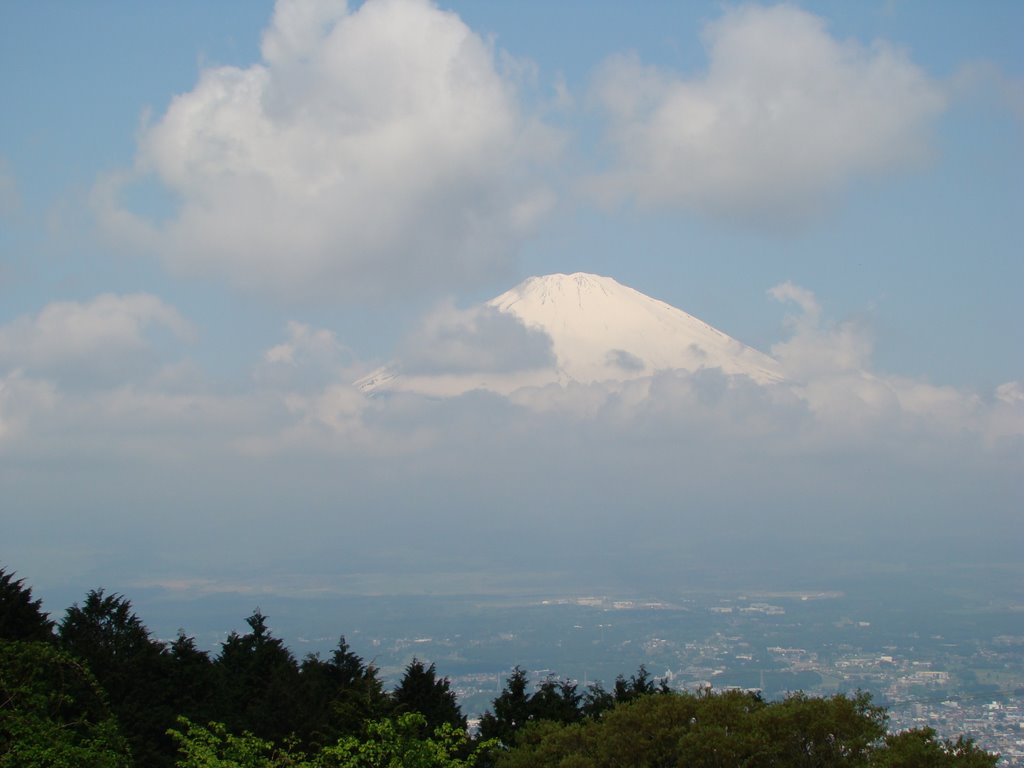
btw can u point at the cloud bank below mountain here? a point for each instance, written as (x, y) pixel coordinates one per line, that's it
(671, 471)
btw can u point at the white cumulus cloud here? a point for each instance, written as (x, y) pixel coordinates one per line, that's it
(371, 152)
(784, 116)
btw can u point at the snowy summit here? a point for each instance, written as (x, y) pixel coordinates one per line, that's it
(559, 329)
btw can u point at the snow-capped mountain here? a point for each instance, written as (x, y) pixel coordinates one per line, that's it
(588, 328)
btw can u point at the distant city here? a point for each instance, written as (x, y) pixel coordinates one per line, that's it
(957, 667)
(954, 687)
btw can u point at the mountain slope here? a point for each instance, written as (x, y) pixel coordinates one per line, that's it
(599, 330)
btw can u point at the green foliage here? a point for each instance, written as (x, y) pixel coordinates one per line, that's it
(53, 713)
(724, 730)
(214, 746)
(918, 748)
(399, 743)
(807, 731)
(403, 742)
(21, 617)
(735, 728)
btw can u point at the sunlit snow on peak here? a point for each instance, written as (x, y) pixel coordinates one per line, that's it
(600, 331)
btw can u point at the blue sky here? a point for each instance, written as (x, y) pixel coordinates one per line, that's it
(186, 187)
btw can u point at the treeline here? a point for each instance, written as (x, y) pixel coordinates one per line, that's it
(96, 689)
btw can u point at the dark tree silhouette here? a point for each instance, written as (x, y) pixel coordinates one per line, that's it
(21, 617)
(511, 710)
(134, 669)
(421, 690)
(558, 701)
(259, 682)
(193, 678)
(338, 695)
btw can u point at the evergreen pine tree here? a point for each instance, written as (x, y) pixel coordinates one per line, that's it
(133, 668)
(421, 690)
(21, 617)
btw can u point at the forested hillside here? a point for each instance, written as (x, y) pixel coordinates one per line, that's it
(94, 688)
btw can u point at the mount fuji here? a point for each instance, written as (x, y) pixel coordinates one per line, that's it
(560, 329)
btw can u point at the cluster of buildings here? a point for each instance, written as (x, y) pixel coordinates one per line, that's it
(964, 683)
